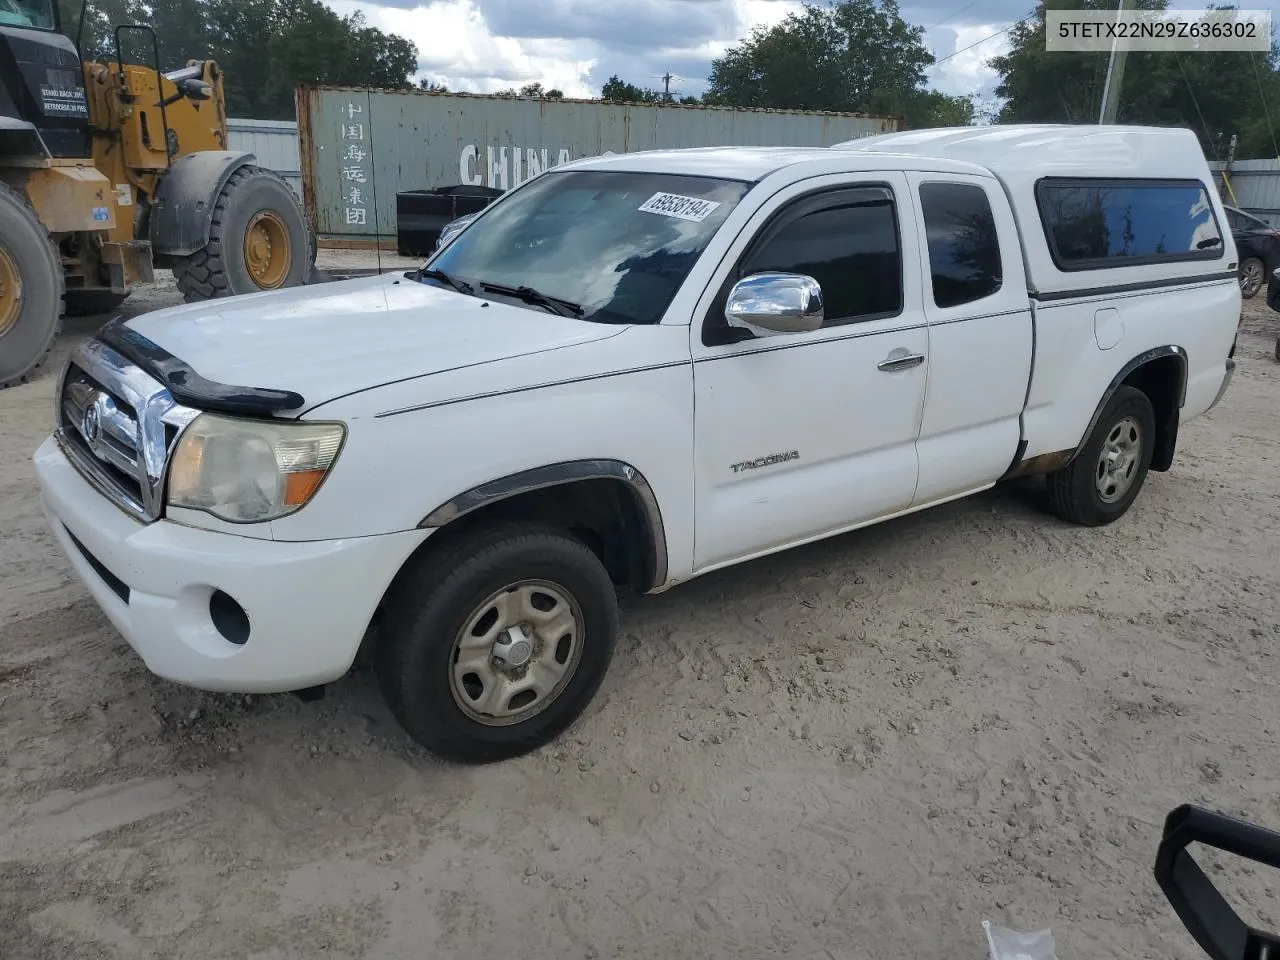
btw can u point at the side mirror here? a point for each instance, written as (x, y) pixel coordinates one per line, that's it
(1202, 909)
(768, 304)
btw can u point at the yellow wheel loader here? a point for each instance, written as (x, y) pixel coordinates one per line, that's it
(109, 169)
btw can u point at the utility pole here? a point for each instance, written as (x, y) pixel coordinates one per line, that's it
(1115, 75)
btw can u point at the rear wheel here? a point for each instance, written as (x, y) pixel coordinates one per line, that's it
(258, 240)
(496, 645)
(1251, 277)
(31, 288)
(1101, 483)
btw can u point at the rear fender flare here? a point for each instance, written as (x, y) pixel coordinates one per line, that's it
(1142, 359)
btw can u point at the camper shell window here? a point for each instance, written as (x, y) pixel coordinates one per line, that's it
(1093, 224)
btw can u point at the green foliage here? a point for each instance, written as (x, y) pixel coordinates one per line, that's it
(266, 48)
(535, 91)
(616, 89)
(1216, 94)
(856, 56)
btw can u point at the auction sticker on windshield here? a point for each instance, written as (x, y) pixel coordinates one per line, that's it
(684, 208)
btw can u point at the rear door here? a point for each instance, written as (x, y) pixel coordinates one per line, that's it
(980, 333)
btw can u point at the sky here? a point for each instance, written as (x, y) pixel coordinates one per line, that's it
(483, 46)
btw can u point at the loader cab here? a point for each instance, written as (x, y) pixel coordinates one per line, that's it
(41, 83)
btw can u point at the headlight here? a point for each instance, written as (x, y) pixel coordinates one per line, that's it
(248, 471)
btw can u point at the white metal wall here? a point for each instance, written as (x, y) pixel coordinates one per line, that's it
(273, 142)
(1255, 187)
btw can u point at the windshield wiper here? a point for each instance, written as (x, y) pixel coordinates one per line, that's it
(557, 305)
(460, 285)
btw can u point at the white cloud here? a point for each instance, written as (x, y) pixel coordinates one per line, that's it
(967, 71)
(457, 47)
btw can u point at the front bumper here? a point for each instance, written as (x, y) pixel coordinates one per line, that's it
(307, 604)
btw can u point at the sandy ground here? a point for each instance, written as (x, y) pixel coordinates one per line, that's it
(856, 749)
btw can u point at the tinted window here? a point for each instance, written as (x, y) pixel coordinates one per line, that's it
(1235, 221)
(964, 251)
(1103, 223)
(851, 250)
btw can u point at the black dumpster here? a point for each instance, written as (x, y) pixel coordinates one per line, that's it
(420, 214)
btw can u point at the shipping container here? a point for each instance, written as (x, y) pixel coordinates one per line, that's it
(274, 144)
(360, 147)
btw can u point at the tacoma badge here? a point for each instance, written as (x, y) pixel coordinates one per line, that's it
(766, 461)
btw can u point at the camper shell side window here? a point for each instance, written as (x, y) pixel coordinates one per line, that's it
(1106, 223)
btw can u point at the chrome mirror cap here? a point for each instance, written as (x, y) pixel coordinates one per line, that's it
(769, 304)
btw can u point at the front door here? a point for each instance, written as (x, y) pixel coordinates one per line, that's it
(798, 436)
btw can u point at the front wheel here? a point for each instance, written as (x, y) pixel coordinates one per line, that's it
(1251, 277)
(1101, 483)
(493, 647)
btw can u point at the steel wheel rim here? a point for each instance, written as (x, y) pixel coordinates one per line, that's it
(523, 640)
(1251, 277)
(10, 292)
(268, 254)
(1118, 461)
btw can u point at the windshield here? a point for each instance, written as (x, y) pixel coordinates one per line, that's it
(27, 13)
(617, 244)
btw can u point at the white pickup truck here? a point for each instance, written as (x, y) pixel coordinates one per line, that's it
(624, 373)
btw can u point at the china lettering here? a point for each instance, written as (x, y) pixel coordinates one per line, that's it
(524, 164)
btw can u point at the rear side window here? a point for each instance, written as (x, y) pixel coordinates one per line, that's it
(964, 250)
(1100, 224)
(851, 250)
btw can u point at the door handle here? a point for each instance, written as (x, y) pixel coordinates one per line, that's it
(900, 361)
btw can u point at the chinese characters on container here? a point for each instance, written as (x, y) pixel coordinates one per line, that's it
(354, 153)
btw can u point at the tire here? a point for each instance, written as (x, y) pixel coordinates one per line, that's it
(91, 303)
(221, 268)
(449, 597)
(1074, 490)
(1252, 277)
(28, 254)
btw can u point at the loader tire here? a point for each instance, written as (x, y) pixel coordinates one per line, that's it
(31, 290)
(92, 303)
(258, 240)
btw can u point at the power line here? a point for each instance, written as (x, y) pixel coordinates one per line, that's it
(950, 15)
(984, 39)
(1263, 97)
(1196, 103)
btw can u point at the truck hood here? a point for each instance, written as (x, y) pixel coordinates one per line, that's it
(332, 339)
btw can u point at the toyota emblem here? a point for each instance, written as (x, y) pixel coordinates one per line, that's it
(92, 423)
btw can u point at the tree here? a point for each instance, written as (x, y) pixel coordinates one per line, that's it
(853, 56)
(616, 89)
(430, 86)
(535, 91)
(266, 48)
(1213, 93)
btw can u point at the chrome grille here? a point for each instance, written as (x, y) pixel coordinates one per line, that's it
(118, 425)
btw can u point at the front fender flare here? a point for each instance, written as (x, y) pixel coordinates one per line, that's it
(182, 211)
(557, 474)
